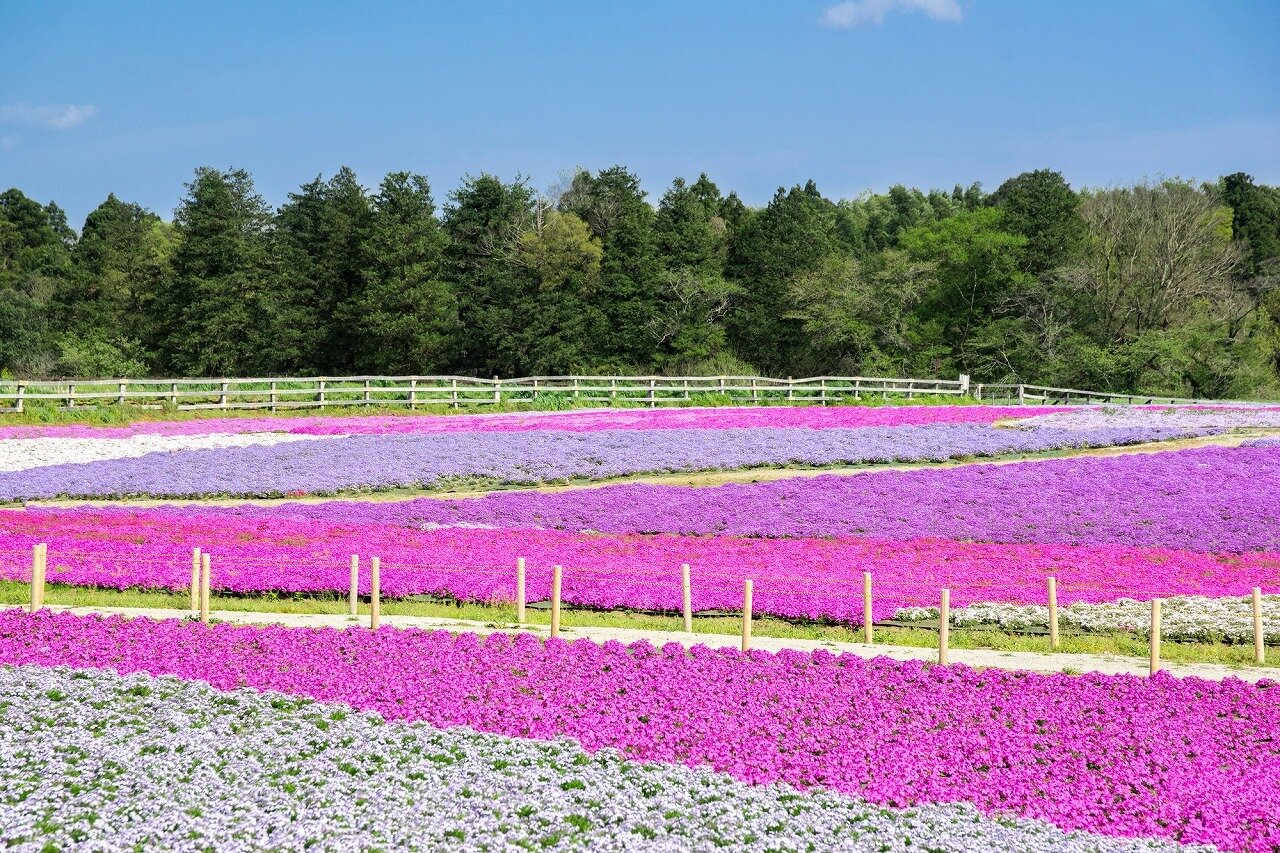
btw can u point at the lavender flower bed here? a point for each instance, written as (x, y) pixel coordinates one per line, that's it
(325, 466)
(1208, 500)
(93, 760)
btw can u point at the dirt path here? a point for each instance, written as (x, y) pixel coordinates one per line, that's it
(687, 479)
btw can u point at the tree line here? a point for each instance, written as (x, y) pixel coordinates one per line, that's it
(1164, 286)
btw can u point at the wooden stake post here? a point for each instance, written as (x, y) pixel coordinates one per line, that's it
(375, 594)
(1259, 644)
(746, 615)
(944, 626)
(520, 602)
(1053, 613)
(556, 572)
(1155, 636)
(353, 593)
(195, 580)
(686, 599)
(866, 608)
(206, 574)
(39, 563)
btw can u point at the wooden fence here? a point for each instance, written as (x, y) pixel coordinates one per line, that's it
(275, 394)
(320, 392)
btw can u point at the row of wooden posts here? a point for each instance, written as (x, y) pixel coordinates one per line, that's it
(201, 574)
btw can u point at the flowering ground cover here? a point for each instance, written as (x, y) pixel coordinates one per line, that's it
(1120, 756)
(162, 763)
(1185, 617)
(22, 454)
(267, 550)
(591, 420)
(372, 462)
(1213, 499)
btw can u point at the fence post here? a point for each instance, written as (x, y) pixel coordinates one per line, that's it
(535, 387)
(1053, 612)
(977, 395)
(867, 619)
(497, 390)
(22, 387)
(722, 385)
(686, 595)
(944, 627)
(964, 384)
(413, 393)
(652, 399)
(822, 387)
(746, 615)
(613, 389)
(1022, 394)
(39, 557)
(206, 581)
(857, 387)
(791, 388)
(273, 396)
(1259, 646)
(575, 387)
(71, 395)
(321, 390)
(173, 394)
(555, 600)
(520, 590)
(222, 395)
(1155, 636)
(195, 580)
(120, 392)
(454, 395)
(375, 594)
(367, 399)
(755, 394)
(686, 388)
(353, 591)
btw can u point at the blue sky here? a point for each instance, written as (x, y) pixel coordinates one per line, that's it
(131, 97)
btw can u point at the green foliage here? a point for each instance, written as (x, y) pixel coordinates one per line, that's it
(1163, 287)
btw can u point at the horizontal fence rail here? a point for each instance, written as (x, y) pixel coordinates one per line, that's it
(275, 394)
(279, 393)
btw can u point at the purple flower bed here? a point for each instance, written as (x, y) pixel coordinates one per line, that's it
(1208, 500)
(386, 461)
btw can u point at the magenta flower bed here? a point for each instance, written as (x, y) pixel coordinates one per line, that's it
(1189, 760)
(582, 421)
(1212, 499)
(259, 551)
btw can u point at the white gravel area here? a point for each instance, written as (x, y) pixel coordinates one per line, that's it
(21, 454)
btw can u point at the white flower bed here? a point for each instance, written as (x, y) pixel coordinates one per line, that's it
(1190, 617)
(93, 761)
(21, 454)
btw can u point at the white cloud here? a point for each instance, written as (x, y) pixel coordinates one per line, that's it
(852, 13)
(51, 116)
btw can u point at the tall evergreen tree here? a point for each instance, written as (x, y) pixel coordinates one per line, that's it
(613, 205)
(222, 314)
(405, 320)
(1041, 207)
(794, 234)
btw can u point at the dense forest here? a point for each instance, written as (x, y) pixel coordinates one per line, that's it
(1163, 286)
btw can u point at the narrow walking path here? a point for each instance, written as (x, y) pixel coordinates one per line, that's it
(977, 658)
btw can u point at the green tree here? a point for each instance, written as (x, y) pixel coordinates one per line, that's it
(1041, 207)
(792, 235)
(224, 311)
(405, 319)
(963, 317)
(613, 205)
(485, 219)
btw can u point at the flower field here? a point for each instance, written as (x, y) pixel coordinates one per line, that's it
(219, 768)
(119, 734)
(1118, 756)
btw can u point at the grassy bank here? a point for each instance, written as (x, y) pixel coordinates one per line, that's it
(1127, 645)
